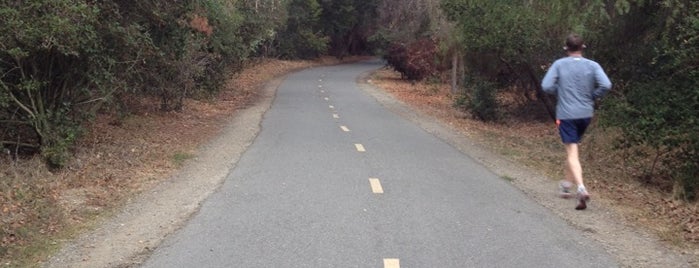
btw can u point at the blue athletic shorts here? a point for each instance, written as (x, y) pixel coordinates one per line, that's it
(572, 130)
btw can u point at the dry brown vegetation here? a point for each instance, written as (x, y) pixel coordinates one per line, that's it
(115, 159)
(527, 135)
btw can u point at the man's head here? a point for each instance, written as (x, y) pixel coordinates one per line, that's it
(574, 43)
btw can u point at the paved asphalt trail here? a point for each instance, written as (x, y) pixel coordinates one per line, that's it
(301, 196)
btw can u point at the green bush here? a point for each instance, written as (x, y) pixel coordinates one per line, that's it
(480, 100)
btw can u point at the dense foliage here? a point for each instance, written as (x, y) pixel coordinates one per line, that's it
(415, 61)
(57, 67)
(657, 105)
(348, 25)
(303, 37)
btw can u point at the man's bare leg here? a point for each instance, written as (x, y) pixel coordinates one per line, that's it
(574, 173)
(573, 167)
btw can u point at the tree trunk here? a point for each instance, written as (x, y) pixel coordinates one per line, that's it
(540, 93)
(454, 72)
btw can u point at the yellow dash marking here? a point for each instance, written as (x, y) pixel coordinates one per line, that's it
(344, 128)
(391, 263)
(336, 116)
(376, 186)
(360, 148)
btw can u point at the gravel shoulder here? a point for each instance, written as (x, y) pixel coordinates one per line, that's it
(126, 239)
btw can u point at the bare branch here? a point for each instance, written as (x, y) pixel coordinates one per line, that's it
(19, 144)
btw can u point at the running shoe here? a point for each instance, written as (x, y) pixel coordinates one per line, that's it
(564, 189)
(583, 198)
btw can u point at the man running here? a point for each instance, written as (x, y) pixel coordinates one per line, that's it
(577, 82)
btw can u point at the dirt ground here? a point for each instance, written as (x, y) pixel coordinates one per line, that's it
(131, 172)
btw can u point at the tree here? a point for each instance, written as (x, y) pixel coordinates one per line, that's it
(348, 24)
(303, 37)
(263, 20)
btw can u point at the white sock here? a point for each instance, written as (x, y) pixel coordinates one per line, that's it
(581, 188)
(566, 184)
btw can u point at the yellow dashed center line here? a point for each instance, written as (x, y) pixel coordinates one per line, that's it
(360, 148)
(336, 116)
(391, 263)
(375, 186)
(344, 128)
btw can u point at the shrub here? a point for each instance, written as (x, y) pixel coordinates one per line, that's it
(54, 73)
(396, 56)
(480, 100)
(415, 61)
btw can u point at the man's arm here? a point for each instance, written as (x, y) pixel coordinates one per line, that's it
(550, 82)
(603, 83)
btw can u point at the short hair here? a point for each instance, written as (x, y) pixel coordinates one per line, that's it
(574, 43)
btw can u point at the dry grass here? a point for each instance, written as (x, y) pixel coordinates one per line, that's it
(527, 135)
(115, 159)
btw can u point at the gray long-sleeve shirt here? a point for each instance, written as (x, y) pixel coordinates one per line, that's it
(577, 81)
